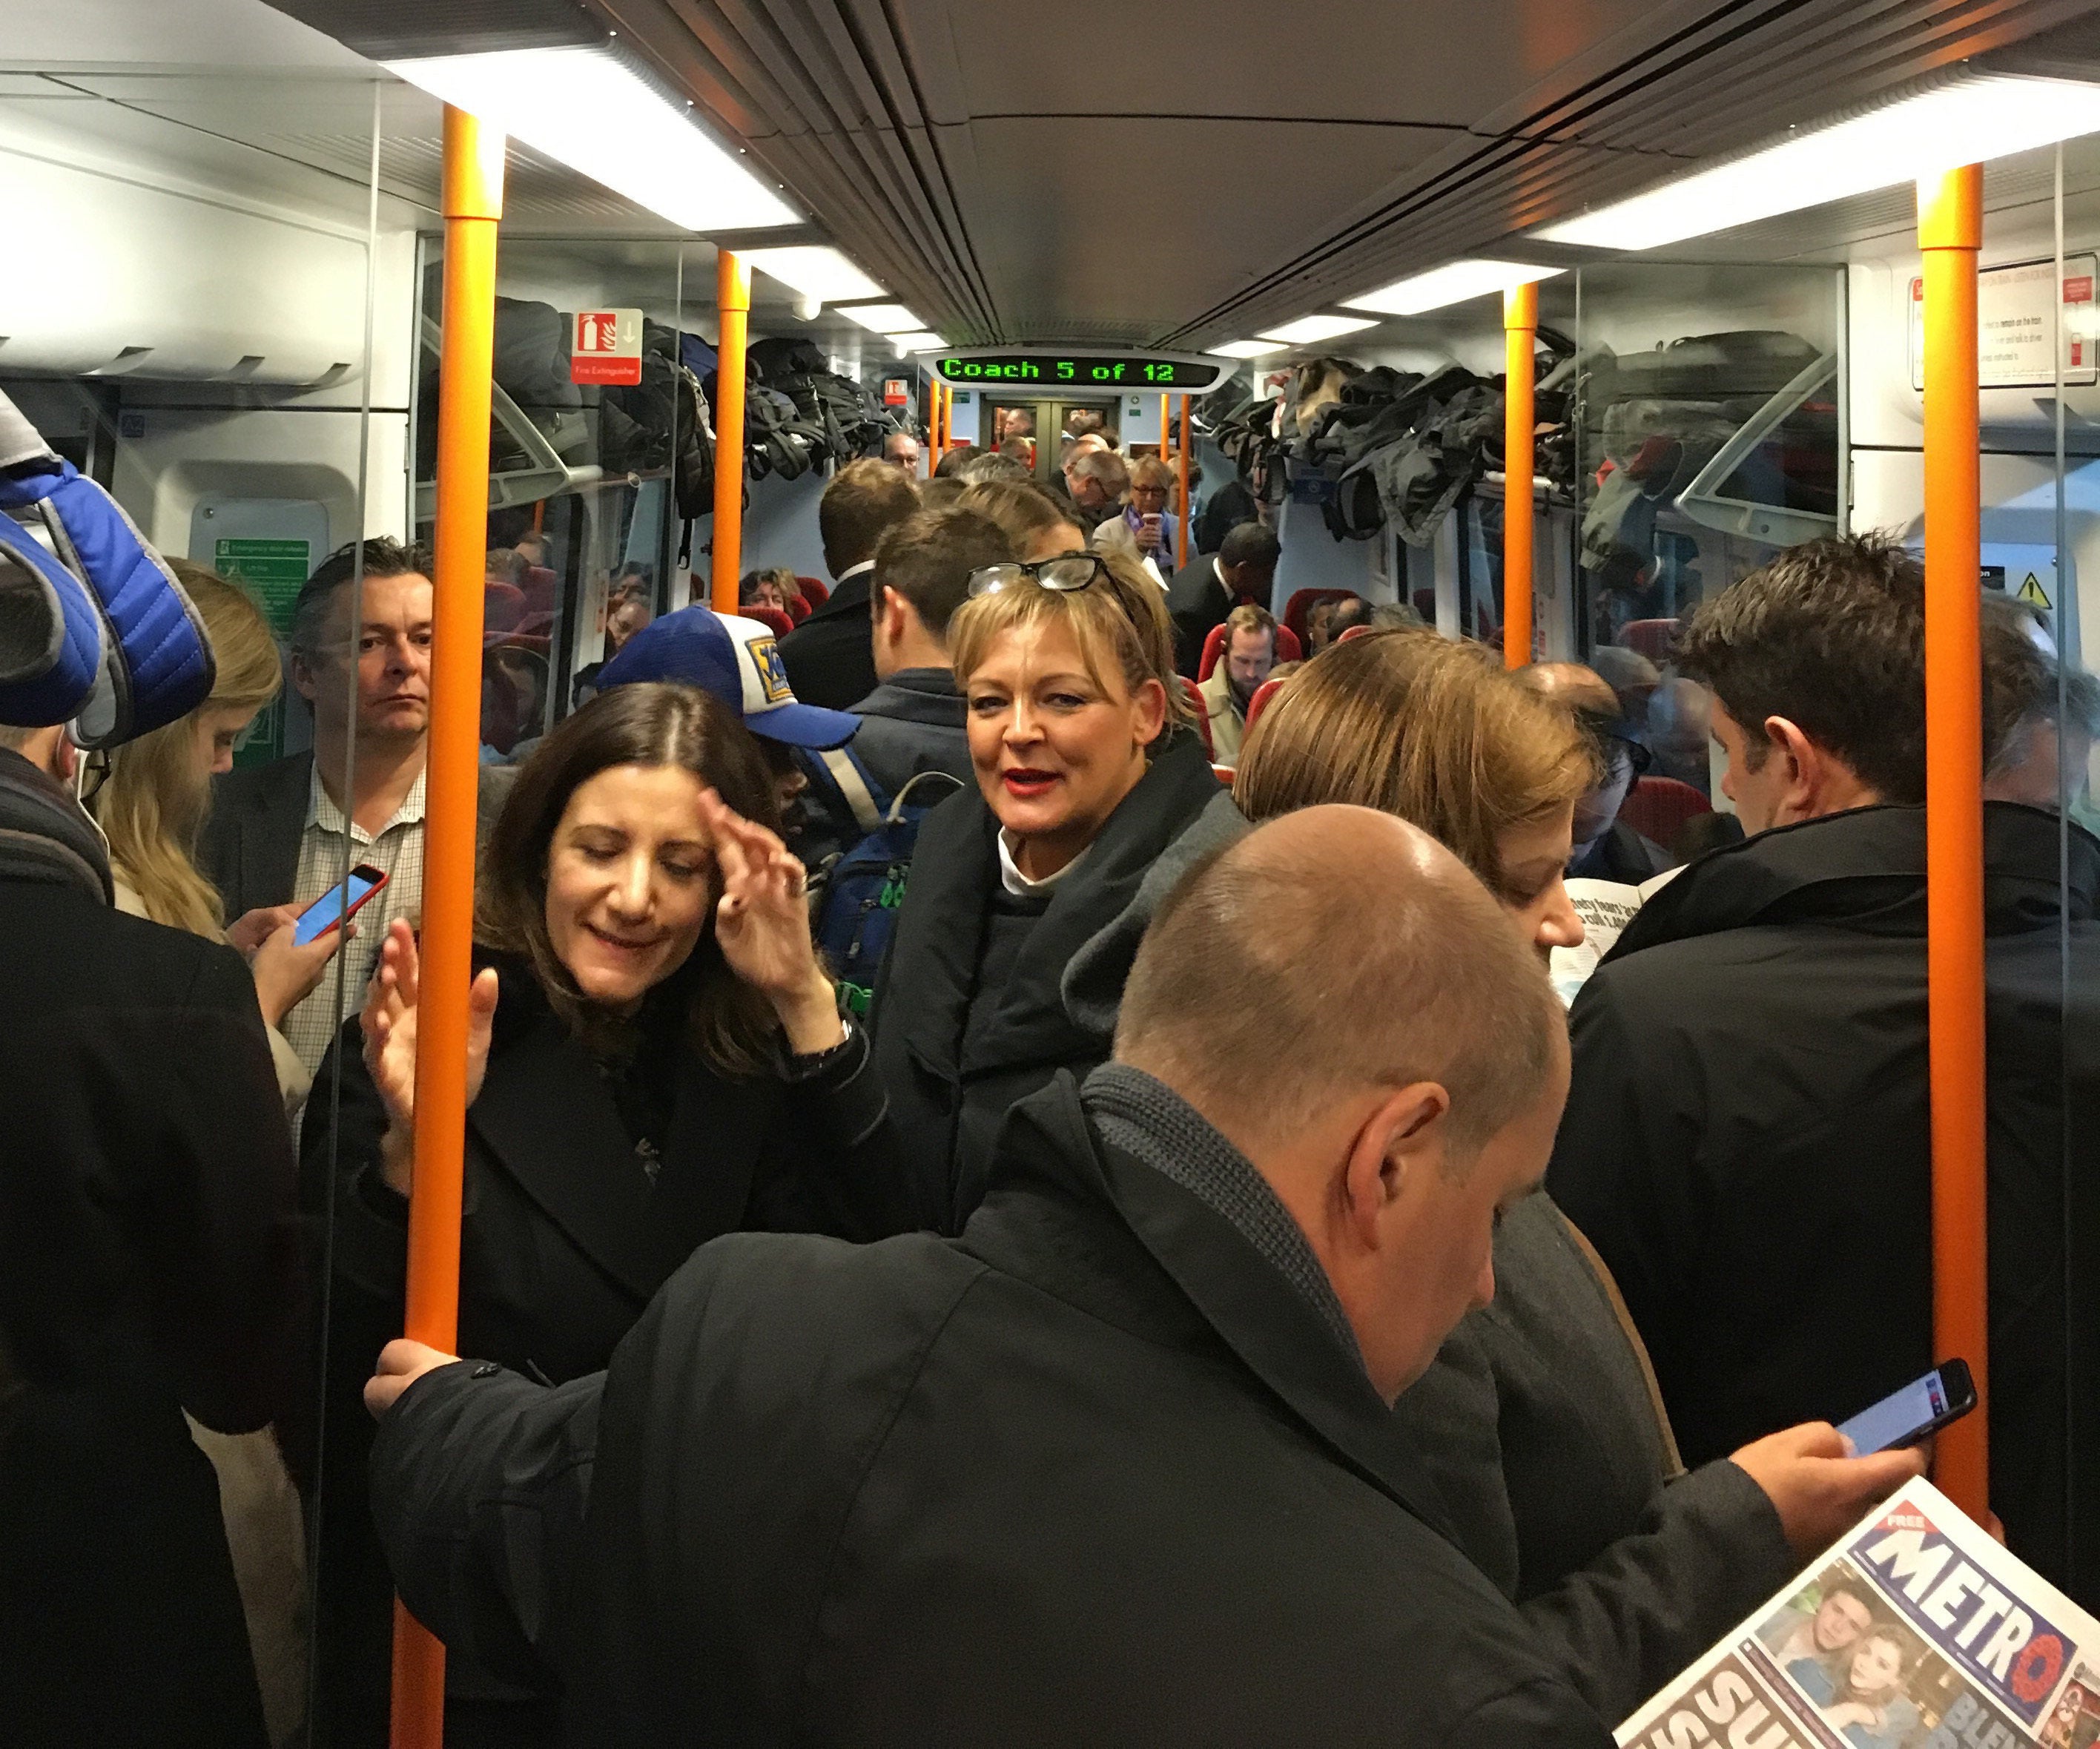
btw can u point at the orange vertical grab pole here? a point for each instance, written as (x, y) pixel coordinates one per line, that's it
(1182, 458)
(1950, 231)
(732, 309)
(1519, 323)
(473, 206)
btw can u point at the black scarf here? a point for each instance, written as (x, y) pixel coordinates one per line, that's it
(44, 835)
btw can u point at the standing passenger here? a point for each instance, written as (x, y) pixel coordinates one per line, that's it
(1086, 777)
(1539, 1415)
(149, 1266)
(913, 721)
(1208, 588)
(1749, 1139)
(282, 833)
(1120, 1466)
(666, 1062)
(828, 659)
(149, 808)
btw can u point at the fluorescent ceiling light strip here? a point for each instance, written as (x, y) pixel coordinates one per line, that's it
(1246, 348)
(883, 318)
(1308, 329)
(1453, 283)
(922, 341)
(815, 272)
(586, 108)
(1970, 122)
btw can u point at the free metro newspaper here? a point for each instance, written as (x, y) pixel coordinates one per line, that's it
(1916, 1631)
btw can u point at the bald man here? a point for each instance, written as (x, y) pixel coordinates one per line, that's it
(1116, 1465)
(1606, 848)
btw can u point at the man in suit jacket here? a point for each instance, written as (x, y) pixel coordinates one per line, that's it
(1117, 1464)
(829, 656)
(148, 1265)
(279, 833)
(1208, 587)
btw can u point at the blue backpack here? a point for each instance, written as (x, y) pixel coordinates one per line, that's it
(858, 895)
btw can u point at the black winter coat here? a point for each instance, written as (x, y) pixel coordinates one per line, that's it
(830, 657)
(1747, 1144)
(1197, 601)
(1096, 1472)
(949, 1085)
(563, 1240)
(149, 1263)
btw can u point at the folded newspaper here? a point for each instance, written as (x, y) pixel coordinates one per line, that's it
(1606, 908)
(1915, 1631)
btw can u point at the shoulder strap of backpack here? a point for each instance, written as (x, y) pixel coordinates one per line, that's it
(897, 808)
(846, 773)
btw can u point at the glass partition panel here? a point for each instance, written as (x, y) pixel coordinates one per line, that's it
(1708, 426)
(196, 314)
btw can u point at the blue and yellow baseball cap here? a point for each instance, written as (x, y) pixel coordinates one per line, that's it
(739, 661)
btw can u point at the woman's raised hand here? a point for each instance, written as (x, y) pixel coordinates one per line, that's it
(762, 926)
(389, 1025)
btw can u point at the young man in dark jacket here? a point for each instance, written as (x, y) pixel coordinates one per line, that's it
(827, 656)
(149, 1266)
(1748, 1141)
(1116, 1465)
(912, 721)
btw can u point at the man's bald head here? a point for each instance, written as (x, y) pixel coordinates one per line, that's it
(1581, 689)
(1333, 952)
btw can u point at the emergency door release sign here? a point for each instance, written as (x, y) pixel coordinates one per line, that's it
(605, 347)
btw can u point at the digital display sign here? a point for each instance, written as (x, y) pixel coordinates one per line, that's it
(1081, 370)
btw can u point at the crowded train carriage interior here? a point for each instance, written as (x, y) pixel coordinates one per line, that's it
(706, 596)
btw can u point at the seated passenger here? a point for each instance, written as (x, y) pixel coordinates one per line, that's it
(1319, 629)
(1749, 1142)
(1038, 525)
(773, 588)
(1606, 847)
(1086, 777)
(149, 1266)
(1208, 588)
(1538, 1417)
(2046, 757)
(665, 1062)
(1119, 1466)
(1245, 662)
(827, 658)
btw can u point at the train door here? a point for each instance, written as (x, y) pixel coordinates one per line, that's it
(1044, 423)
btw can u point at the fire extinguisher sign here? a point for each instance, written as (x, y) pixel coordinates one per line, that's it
(605, 347)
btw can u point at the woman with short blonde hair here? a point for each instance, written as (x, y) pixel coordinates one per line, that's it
(1028, 894)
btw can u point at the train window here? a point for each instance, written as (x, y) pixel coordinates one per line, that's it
(587, 470)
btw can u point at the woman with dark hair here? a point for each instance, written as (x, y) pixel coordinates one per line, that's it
(657, 1058)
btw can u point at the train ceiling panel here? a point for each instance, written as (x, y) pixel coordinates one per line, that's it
(1147, 171)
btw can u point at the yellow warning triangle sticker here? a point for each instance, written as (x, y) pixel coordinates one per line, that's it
(2031, 593)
